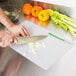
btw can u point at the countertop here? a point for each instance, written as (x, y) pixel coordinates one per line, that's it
(64, 67)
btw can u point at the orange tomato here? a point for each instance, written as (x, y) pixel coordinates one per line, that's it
(36, 10)
(27, 8)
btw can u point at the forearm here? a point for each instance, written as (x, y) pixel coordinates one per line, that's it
(5, 20)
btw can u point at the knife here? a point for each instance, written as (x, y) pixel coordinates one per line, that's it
(30, 39)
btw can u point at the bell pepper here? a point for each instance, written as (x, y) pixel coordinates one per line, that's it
(36, 10)
(43, 15)
(27, 8)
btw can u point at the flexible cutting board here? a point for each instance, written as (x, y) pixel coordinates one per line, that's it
(46, 56)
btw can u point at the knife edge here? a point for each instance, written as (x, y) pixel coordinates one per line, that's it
(30, 39)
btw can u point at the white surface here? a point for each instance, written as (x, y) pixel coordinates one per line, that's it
(68, 3)
(46, 56)
(65, 67)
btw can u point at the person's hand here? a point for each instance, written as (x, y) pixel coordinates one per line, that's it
(18, 30)
(6, 38)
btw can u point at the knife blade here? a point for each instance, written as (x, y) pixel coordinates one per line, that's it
(30, 39)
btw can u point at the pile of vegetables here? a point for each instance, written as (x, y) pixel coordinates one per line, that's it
(36, 11)
(62, 21)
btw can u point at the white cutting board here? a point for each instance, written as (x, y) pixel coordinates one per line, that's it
(46, 56)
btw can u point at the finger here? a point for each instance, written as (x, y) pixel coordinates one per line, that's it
(14, 40)
(25, 31)
(18, 35)
(1, 45)
(8, 41)
(5, 43)
(22, 33)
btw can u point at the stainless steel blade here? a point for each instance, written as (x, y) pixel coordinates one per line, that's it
(30, 39)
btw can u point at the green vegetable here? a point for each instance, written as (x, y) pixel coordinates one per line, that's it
(63, 21)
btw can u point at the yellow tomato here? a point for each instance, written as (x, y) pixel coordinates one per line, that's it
(43, 15)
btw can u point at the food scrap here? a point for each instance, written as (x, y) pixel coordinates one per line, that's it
(33, 47)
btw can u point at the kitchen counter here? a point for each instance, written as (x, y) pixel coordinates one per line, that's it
(47, 56)
(64, 67)
(6, 54)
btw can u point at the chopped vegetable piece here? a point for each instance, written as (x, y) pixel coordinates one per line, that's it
(33, 47)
